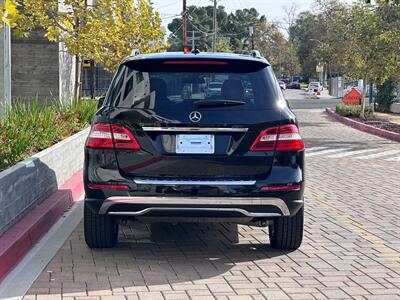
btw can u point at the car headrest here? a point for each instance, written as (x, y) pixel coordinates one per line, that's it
(158, 86)
(232, 89)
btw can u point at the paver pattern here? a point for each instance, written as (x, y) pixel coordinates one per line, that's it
(351, 248)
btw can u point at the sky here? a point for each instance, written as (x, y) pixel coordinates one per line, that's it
(272, 9)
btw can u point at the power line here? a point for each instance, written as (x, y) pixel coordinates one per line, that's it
(165, 5)
(173, 33)
(169, 17)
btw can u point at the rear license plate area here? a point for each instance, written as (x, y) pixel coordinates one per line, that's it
(195, 144)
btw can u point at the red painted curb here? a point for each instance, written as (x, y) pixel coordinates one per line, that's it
(394, 136)
(21, 237)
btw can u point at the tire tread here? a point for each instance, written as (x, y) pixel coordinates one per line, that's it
(287, 232)
(100, 231)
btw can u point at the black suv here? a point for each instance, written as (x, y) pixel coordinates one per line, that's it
(162, 148)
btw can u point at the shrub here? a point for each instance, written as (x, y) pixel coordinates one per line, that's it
(386, 95)
(28, 129)
(353, 111)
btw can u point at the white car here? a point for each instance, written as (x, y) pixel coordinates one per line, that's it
(282, 85)
(314, 87)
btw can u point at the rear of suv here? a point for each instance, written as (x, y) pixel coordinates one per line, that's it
(161, 148)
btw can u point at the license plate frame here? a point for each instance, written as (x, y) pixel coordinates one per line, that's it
(195, 144)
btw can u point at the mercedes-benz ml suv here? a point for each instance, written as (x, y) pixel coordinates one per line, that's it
(161, 150)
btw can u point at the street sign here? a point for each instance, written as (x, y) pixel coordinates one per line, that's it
(353, 97)
(86, 63)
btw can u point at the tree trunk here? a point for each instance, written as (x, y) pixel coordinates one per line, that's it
(363, 97)
(78, 77)
(92, 78)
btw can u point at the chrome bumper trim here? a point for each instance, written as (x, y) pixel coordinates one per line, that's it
(152, 209)
(196, 201)
(194, 182)
(195, 129)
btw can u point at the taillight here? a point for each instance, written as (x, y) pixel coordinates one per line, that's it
(289, 139)
(266, 140)
(106, 136)
(282, 138)
(194, 62)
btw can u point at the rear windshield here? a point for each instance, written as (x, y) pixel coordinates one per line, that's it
(183, 88)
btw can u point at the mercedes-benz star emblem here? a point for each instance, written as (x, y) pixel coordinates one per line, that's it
(195, 116)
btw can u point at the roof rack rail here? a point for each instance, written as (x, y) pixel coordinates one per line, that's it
(195, 50)
(255, 53)
(135, 52)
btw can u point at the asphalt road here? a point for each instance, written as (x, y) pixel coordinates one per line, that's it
(351, 248)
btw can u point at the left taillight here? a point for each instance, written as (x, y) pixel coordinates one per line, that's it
(106, 136)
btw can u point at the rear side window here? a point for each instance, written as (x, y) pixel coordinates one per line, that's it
(181, 88)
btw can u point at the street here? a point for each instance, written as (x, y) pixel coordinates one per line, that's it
(351, 246)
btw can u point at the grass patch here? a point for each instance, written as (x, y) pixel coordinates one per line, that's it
(28, 129)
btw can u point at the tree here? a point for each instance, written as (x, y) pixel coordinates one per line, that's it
(9, 13)
(105, 32)
(275, 47)
(232, 29)
(320, 36)
(368, 57)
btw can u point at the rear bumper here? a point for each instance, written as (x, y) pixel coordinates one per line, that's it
(195, 207)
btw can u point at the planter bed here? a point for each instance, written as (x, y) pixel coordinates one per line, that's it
(378, 129)
(35, 193)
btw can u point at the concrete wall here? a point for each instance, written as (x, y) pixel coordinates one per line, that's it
(28, 183)
(35, 68)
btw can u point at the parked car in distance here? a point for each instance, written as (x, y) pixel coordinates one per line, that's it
(214, 89)
(314, 87)
(282, 85)
(295, 85)
(155, 155)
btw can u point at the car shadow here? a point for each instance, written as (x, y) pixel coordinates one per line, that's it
(161, 255)
(164, 253)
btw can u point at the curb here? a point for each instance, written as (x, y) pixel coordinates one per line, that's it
(22, 236)
(364, 127)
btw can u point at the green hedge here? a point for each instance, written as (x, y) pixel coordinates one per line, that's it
(353, 111)
(29, 129)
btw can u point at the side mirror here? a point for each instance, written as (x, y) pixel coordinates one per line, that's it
(101, 101)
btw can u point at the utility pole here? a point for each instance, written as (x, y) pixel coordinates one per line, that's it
(214, 36)
(193, 38)
(184, 23)
(251, 31)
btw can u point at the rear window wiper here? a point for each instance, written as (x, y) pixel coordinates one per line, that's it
(216, 103)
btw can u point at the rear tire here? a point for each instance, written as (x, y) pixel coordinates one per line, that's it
(287, 232)
(101, 231)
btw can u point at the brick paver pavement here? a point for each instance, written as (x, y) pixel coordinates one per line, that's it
(351, 248)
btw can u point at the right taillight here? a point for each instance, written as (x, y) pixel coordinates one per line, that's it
(282, 138)
(106, 136)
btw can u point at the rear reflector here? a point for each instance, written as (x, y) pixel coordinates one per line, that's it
(194, 62)
(108, 186)
(106, 136)
(281, 188)
(282, 138)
